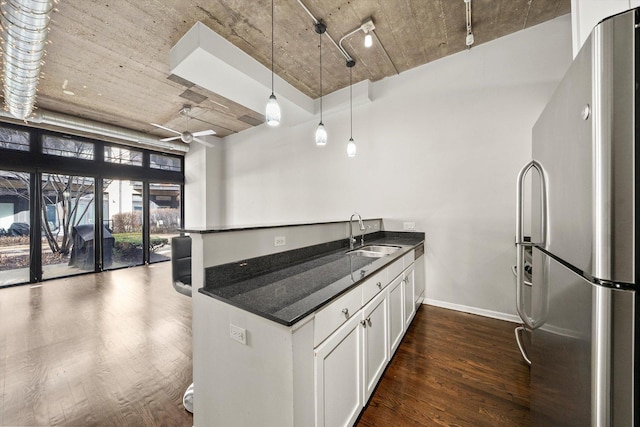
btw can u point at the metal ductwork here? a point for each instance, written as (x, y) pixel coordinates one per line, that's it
(25, 24)
(83, 127)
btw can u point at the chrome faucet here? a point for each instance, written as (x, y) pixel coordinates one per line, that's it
(352, 239)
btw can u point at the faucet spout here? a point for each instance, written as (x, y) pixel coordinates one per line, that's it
(352, 240)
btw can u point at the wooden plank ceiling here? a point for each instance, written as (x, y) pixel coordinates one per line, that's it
(114, 55)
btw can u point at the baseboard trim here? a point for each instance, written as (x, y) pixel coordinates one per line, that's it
(473, 310)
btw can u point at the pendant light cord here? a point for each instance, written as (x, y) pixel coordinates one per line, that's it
(351, 98)
(272, 43)
(320, 78)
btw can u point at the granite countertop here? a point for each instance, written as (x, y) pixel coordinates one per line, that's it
(288, 286)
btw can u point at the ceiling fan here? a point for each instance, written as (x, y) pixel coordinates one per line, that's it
(187, 136)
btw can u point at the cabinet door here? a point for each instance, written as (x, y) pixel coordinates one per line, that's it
(338, 376)
(396, 316)
(409, 295)
(419, 280)
(375, 323)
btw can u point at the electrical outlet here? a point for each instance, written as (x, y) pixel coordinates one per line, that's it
(409, 225)
(237, 333)
(279, 241)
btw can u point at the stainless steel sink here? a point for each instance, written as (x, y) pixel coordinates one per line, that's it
(374, 251)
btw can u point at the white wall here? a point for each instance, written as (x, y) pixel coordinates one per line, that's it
(585, 14)
(204, 193)
(440, 145)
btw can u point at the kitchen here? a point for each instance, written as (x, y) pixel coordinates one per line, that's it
(439, 146)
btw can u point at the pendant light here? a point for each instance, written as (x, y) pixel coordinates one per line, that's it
(351, 145)
(272, 115)
(321, 132)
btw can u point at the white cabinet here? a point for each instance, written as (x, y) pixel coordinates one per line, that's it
(351, 360)
(320, 371)
(335, 314)
(338, 376)
(375, 341)
(396, 315)
(409, 295)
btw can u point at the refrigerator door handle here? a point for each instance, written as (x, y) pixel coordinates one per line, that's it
(520, 243)
(518, 331)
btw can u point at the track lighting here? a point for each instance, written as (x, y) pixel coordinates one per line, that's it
(272, 114)
(469, 39)
(368, 40)
(367, 26)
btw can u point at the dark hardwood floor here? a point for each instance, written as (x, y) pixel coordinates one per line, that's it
(453, 369)
(110, 349)
(114, 349)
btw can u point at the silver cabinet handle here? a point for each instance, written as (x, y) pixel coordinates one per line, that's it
(363, 323)
(369, 320)
(379, 285)
(345, 311)
(520, 243)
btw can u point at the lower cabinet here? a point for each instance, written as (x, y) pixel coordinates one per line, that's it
(351, 360)
(349, 364)
(409, 295)
(338, 376)
(319, 372)
(396, 315)
(375, 342)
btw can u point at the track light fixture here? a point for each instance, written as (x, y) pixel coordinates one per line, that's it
(272, 114)
(321, 132)
(367, 26)
(469, 39)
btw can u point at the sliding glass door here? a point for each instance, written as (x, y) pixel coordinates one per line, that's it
(164, 219)
(123, 219)
(15, 222)
(67, 224)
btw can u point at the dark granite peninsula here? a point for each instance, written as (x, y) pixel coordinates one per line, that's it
(298, 335)
(287, 286)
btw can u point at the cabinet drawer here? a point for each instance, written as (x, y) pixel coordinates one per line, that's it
(395, 269)
(408, 259)
(375, 284)
(335, 314)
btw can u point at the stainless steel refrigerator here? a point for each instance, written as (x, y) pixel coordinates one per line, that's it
(583, 322)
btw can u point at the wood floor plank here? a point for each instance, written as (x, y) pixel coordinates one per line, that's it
(452, 369)
(96, 350)
(114, 349)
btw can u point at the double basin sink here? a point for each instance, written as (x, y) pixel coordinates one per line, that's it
(374, 251)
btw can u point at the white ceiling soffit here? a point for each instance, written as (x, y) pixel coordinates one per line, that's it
(207, 59)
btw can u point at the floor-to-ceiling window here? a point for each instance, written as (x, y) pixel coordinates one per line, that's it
(165, 208)
(124, 214)
(15, 256)
(165, 219)
(56, 189)
(67, 224)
